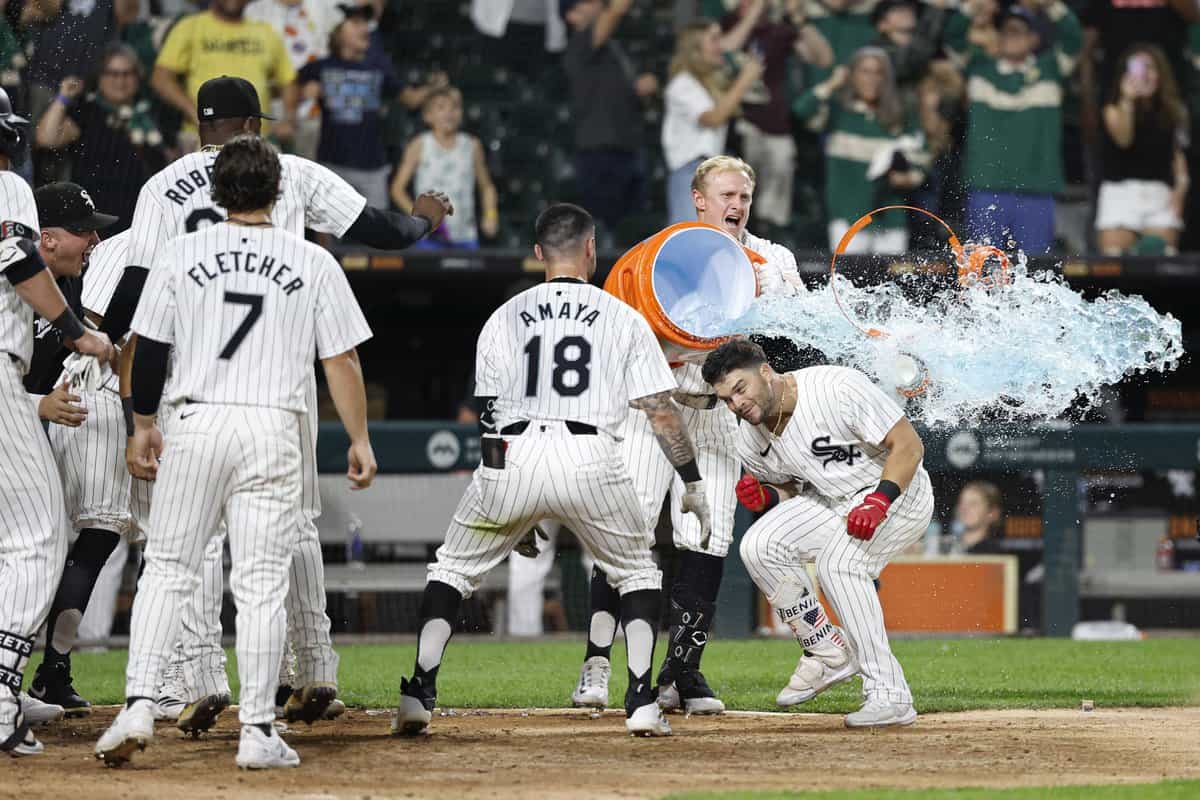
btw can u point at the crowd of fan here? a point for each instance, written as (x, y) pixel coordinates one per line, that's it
(975, 111)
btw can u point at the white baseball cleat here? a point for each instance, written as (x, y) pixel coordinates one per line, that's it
(258, 750)
(819, 668)
(413, 713)
(169, 708)
(38, 713)
(648, 720)
(668, 697)
(592, 691)
(880, 713)
(15, 737)
(131, 730)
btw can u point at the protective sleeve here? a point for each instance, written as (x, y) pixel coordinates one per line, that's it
(19, 259)
(387, 230)
(149, 375)
(124, 302)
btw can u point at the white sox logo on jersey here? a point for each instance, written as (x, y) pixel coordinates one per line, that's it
(829, 453)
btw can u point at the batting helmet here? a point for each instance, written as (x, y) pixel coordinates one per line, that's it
(10, 132)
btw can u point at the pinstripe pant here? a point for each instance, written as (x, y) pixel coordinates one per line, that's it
(812, 528)
(579, 481)
(91, 461)
(240, 465)
(714, 433)
(33, 522)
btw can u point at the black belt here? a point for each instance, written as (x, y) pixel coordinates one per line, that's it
(576, 428)
(15, 359)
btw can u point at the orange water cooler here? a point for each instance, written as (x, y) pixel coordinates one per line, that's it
(690, 281)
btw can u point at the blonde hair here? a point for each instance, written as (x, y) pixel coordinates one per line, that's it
(689, 58)
(721, 164)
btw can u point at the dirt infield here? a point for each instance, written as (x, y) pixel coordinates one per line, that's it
(549, 754)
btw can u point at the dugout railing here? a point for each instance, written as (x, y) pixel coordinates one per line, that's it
(445, 452)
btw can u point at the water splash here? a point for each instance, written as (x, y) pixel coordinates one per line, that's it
(1027, 350)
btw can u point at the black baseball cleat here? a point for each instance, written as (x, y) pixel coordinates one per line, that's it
(310, 704)
(282, 695)
(52, 684)
(415, 709)
(202, 714)
(690, 693)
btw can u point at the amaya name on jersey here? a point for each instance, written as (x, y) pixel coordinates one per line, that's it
(246, 262)
(571, 311)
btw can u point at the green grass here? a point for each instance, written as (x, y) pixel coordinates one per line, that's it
(945, 675)
(1167, 790)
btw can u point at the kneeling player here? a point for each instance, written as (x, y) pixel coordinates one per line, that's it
(842, 484)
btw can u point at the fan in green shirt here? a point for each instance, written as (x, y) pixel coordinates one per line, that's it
(874, 152)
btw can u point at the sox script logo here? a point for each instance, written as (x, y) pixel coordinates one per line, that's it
(828, 453)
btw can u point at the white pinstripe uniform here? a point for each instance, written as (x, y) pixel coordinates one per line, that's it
(33, 524)
(831, 444)
(564, 351)
(176, 201)
(91, 458)
(713, 431)
(246, 309)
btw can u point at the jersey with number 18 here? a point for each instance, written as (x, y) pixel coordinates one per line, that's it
(245, 309)
(566, 350)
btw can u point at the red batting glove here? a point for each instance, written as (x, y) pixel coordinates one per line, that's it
(867, 516)
(751, 494)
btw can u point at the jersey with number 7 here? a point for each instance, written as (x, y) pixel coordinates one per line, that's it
(246, 309)
(566, 350)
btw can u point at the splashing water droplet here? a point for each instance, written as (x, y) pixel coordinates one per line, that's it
(1026, 350)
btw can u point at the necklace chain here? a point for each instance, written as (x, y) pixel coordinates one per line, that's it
(782, 401)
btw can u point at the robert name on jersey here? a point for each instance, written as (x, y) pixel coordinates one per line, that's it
(247, 262)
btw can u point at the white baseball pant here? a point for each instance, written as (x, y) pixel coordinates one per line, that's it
(239, 465)
(579, 481)
(91, 460)
(714, 433)
(33, 531)
(812, 528)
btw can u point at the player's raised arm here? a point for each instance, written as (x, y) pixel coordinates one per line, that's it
(676, 443)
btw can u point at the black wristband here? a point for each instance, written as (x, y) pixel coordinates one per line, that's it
(127, 407)
(69, 324)
(771, 495)
(889, 490)
(690, 472)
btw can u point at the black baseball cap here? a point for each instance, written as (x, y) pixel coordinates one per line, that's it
(227, 97)
(1016, 11)
(882, 8)
(364, 10)
(68, 205)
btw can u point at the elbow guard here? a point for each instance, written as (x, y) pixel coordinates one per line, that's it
(20, 259)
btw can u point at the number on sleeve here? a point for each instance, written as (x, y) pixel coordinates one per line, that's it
(580, 364)
(255, 302)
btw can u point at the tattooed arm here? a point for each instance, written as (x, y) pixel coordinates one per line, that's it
(676, 444)
(669, 430)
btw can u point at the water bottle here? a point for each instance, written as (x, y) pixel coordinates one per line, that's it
(1164, 557)
(354, 543)
(933, 539)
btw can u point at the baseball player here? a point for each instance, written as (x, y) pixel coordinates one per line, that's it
(835, 468)
(86, 439)
(176, 201)
(33, 524)
(722, 190)
(245, 305)
(557, 368)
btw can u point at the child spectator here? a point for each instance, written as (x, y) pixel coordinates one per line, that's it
(351, 85)
(700, 102)
(453, 161)
(1014, 126)
(873, 150)
(1145, 173)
